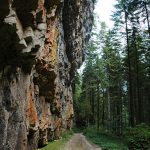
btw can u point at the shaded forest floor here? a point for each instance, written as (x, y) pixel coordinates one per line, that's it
(137, 138)
(105, 141)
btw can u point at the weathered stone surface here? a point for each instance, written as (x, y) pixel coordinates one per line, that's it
(42, 44)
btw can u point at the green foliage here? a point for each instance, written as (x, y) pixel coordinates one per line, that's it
(115, 82)
(138, 137)
(77, 130)
(104, 140)
(81, 105)
(56, 145)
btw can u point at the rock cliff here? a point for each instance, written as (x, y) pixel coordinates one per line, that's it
(42, 45)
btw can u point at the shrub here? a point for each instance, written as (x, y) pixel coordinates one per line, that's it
(138, 137)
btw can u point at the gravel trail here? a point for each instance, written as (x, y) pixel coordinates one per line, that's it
(79, 142)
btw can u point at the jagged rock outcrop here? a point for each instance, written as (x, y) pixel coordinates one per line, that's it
(42, 45)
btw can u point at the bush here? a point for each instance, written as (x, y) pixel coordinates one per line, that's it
(138, 137)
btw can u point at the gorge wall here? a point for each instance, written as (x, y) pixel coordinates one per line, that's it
(42, 45)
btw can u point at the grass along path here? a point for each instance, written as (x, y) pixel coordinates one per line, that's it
(59, 144)
(106, 142)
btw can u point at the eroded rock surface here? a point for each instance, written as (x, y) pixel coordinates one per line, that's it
(42, 45)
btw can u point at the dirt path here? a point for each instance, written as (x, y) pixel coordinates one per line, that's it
(79, 142)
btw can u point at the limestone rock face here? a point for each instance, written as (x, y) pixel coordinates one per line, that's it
(42, 45)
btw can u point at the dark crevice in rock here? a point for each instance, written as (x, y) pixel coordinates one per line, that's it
(4, 7)
(25, 11)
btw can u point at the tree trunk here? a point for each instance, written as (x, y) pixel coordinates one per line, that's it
(103, 110)
(131, 102)
(147, 17)
(93, 104)
(98, 105)
(108, 109)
